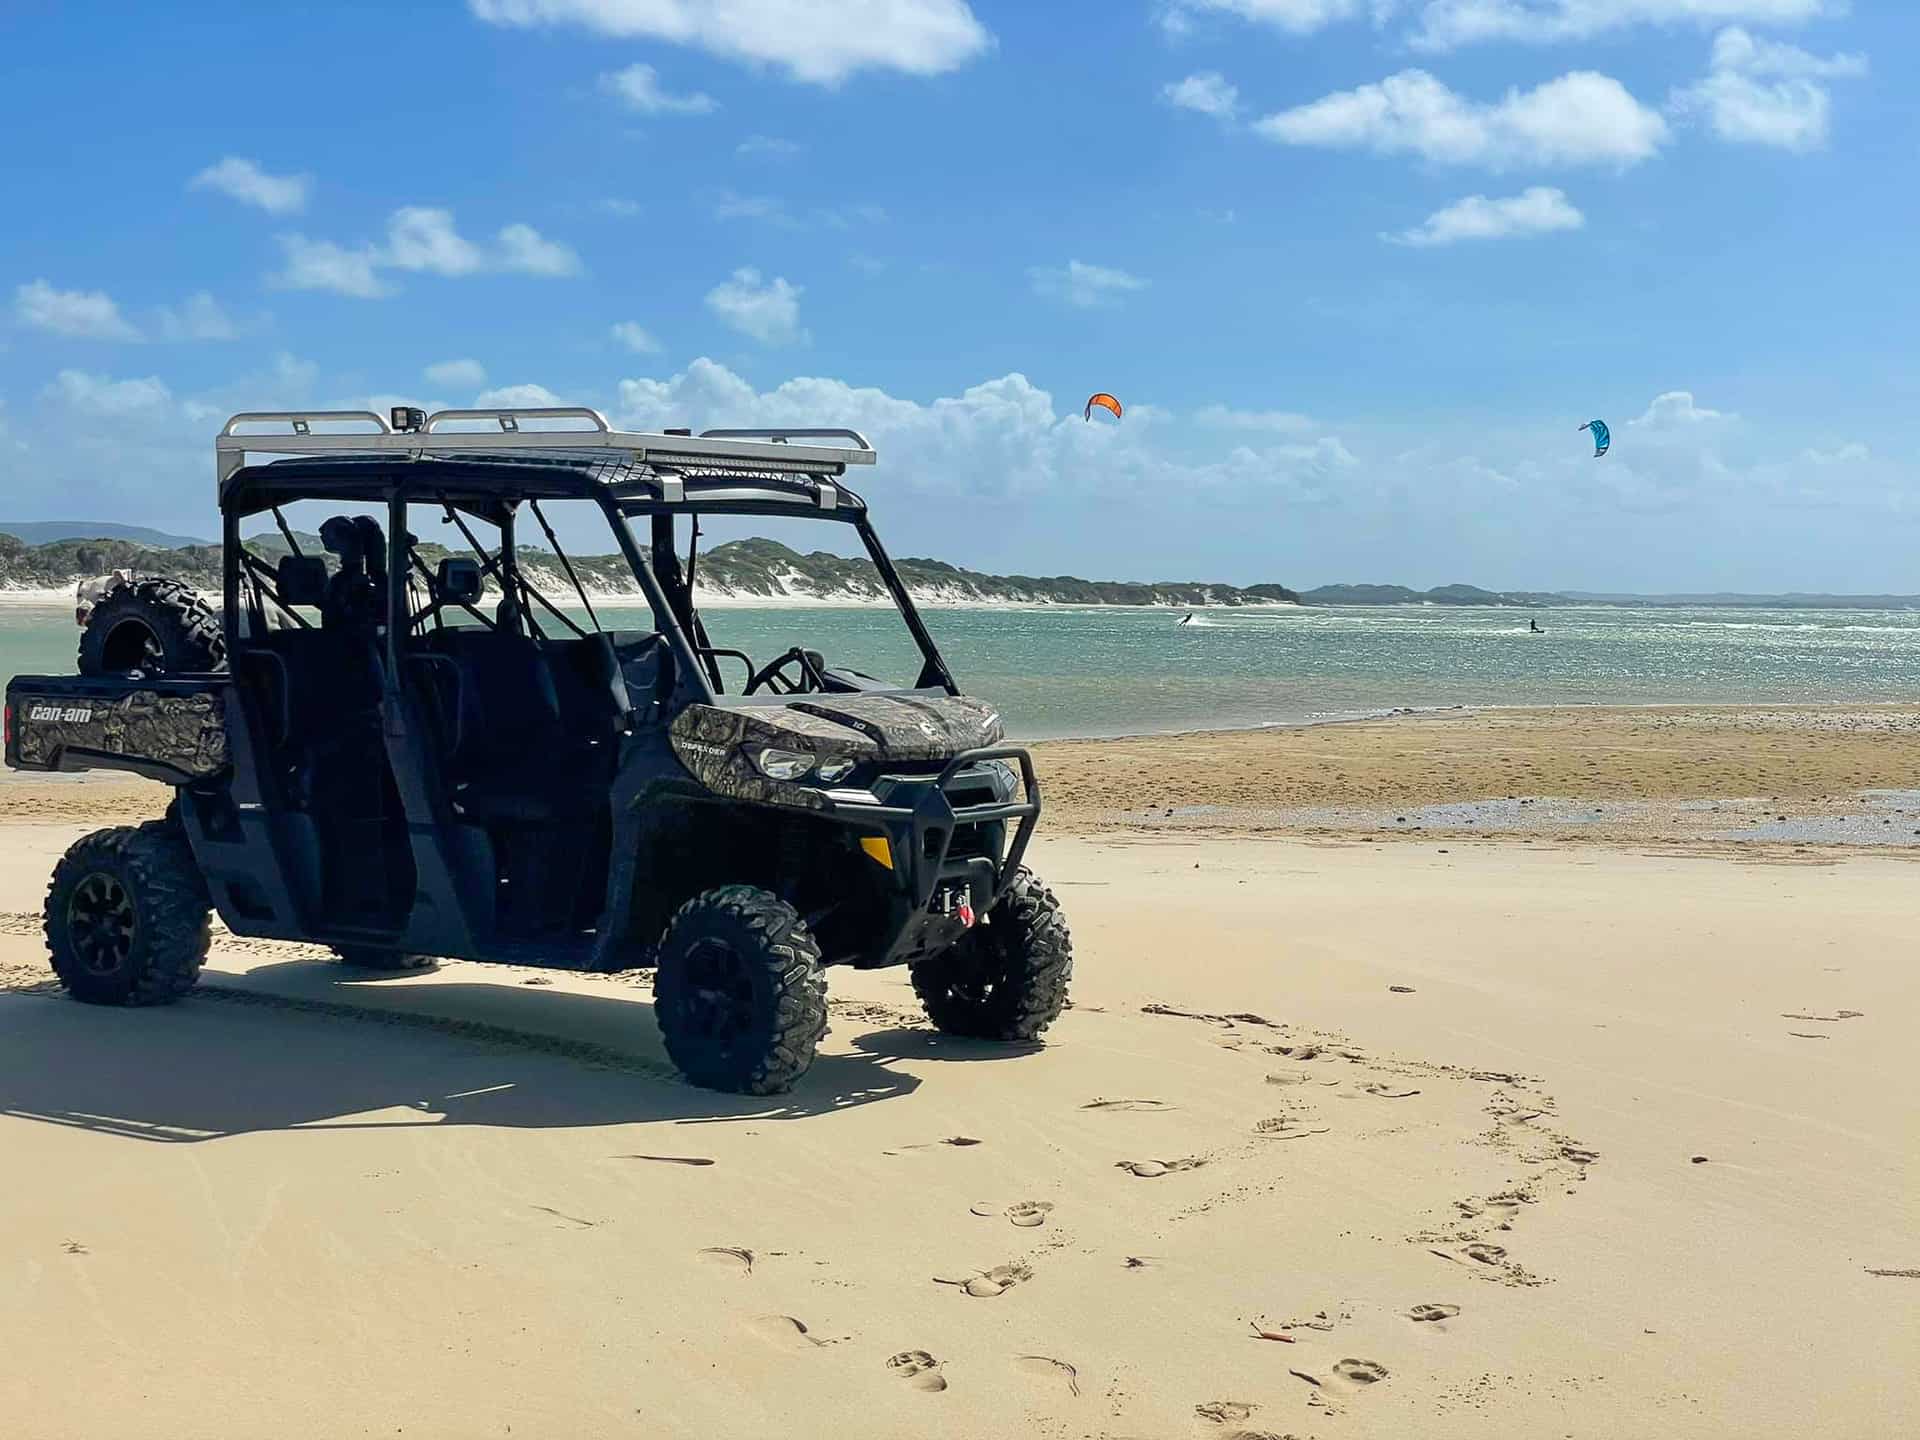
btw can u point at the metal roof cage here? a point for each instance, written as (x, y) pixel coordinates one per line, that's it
(564, 434)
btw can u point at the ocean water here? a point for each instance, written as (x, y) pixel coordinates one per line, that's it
(1088, 672)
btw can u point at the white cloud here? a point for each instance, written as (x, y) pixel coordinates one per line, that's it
(635, 338)
(773, 145)
(1582, 118)
(1273, 422)
(769, 311)
(198, 317)
(517, 397)
(246, 182)
(323, 265)
(1447, 24)
(1000, 436)
(1675, 409)
(638, 87)
(1081, 284)
(732, 205)
(422, 238)
(76, 314)
(1762, 92)
(457, 374)
(1297, 17)
(1538, 210)
(102, 395)
(1207, 91)
(525, 249)
(1851, 453)
(819, 41)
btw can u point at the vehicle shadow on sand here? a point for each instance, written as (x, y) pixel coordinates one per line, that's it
(293, 1046)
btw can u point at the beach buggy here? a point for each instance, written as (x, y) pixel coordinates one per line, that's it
(400, 750)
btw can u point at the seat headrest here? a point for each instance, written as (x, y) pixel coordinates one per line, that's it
(302, 580)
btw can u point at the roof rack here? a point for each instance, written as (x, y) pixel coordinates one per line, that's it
(294, 433)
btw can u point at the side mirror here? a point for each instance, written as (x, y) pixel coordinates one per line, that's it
(459, 581)
(302, 580)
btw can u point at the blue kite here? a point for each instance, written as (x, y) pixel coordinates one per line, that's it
(1602, 437)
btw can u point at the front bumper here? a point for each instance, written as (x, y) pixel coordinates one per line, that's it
(939, 845)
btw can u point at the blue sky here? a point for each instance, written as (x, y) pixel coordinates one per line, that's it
(1359, 268)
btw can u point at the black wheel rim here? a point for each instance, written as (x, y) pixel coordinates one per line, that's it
(977, 977)
(101, 923)
(132, 645)
(718, 1006)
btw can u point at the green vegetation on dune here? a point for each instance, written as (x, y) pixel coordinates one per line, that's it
(743, 568)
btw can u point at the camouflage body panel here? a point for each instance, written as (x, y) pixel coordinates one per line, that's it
(184, 733)
(715, 743)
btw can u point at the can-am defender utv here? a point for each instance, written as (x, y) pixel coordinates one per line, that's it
(400, 759)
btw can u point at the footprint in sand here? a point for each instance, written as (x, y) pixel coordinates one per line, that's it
(989, 1283)
(1433, 1312)
(731, 1257)
(1280, 1127)
(1579, 1154)
(786, 1331)
(1029, 1214)
(918, 1369)
(1486, 1252)
(1360, 1372)
(1223, 1411)
(1386, 1091)
(1049, 1368)
(1154, 1169)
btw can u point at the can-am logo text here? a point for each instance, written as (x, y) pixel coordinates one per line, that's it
(66, 714)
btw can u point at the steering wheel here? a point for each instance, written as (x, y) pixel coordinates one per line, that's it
(773, 675)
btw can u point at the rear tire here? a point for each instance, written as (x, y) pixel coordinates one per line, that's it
(1004, 980)
(127, 916)
(738, 992)
(153, 624)
(372, 957)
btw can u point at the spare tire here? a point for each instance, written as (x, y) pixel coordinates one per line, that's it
(153, 624)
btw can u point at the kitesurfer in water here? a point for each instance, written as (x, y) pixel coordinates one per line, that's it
(1533, 627)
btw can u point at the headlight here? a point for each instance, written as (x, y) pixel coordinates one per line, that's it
(778, 764)
(1010, 782)
(832, 772)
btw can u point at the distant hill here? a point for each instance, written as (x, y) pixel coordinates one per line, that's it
(1440, 595)
(40, 532)
(739, 569)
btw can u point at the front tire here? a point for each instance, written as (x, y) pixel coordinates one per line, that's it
(127, 917)
(738, 992)
(1006, 979)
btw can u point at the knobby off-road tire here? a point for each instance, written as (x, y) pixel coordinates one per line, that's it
(1004, 980)
(154, 624)
(127, 916)
(372, 957)
(738, 991)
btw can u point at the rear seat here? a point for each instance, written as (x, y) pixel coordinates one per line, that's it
(322, 691)
(517, 756)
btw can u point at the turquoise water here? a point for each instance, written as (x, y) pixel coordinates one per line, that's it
(1063, 671)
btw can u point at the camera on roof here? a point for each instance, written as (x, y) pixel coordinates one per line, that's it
(407, 418)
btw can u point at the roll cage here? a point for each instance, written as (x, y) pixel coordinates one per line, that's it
(497, 475)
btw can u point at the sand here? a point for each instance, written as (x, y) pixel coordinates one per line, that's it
(1429, 1109)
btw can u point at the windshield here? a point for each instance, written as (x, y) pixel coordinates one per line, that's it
(779, 616)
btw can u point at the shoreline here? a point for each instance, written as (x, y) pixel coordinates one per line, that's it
(1734, 777)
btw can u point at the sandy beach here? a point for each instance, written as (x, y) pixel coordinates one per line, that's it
(1523, 1124)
